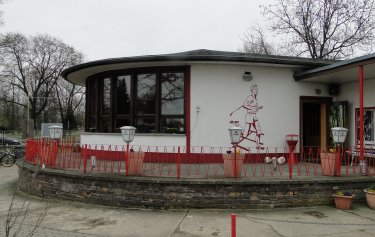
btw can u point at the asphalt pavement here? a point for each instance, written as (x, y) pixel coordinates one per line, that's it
(84, 220)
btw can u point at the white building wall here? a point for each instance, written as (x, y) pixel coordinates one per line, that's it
(219, 89)
(115, 139)
(350, 92)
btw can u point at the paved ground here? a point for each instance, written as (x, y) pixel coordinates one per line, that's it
(81, 220)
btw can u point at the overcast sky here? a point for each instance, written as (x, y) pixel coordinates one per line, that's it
(119, 28)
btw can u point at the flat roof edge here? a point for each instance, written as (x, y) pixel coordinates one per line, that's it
(362, 60)
(209, 58)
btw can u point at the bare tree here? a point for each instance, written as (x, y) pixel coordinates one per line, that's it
(69, 98)
(255, 42)
(324, 29)
(33, 65)
(1, 14)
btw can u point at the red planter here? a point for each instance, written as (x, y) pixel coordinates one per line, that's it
(343, 202)
(329, 163)
(229, 168)
(370, 197)
(136, 163)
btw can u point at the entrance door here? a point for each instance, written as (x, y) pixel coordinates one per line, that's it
(314, 121)
(312, 124)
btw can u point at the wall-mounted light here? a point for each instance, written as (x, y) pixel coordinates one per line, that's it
(318, 91)
(247, 76)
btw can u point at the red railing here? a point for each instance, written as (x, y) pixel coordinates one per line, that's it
(198, 162)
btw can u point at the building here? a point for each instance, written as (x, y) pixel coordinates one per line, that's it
(191, 98)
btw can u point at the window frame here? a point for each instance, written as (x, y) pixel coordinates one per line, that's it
(94, 111)
(356, 114)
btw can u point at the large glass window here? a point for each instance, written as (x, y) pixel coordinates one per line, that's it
(146, 91)
(172, 93)
(368, 125)
(106, 101)
(123, 95)
(151, 99)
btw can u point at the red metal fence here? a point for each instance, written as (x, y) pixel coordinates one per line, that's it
(198, 162)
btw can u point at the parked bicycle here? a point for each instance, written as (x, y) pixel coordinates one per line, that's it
(9, 155)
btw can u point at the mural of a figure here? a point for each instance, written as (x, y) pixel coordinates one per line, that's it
(252, 130)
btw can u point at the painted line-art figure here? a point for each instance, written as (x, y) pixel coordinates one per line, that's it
(252, 130)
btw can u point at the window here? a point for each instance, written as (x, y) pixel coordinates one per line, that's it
(106, 101)
(146, 94)
(151, 99)
(368, 125)
(123, 94)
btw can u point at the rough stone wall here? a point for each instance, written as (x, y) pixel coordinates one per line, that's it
(164, 193)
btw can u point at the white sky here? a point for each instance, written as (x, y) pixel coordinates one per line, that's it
(119, 28)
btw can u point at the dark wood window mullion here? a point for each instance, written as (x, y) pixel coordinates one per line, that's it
(112, 104)
(97, 104)
(158, 102)
(133, 95)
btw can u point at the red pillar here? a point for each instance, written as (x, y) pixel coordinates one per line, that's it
(361, 128)
(179, 163)
(235, 162)
(233, 222)
(127, 159)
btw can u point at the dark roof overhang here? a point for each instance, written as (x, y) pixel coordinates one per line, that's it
(201, 55)
(340, 72)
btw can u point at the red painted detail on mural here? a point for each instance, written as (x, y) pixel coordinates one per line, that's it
(252, 131)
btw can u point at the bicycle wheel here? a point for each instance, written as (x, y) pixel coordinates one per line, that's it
(8, 160)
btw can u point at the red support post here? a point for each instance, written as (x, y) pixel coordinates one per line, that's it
(361, 111)
(127, 160)
(84, 158)
(233, 222)
(290, 167)
(339, 160)
(179, 163)
(235, 161)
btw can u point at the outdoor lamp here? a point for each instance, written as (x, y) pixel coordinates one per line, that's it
(235, 134)
(339, 134)
(127, 133)
(56, 131)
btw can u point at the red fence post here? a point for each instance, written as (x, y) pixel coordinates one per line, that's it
(233, 221)
(179, 163)
(127, 159)
(84, 158)
(235, 161)
(339, 160)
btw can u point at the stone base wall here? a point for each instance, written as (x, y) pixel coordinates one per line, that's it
(165, 193)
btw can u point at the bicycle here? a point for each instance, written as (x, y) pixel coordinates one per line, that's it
(7, 158)
(9, 155)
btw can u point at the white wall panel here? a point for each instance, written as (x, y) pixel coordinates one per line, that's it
(220, 89)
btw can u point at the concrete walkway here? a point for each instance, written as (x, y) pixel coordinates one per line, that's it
(76, 219)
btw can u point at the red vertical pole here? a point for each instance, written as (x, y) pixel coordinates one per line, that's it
(84, 158)
(179, 163)
(188, 112)
(339, 160)
(290, 163)
(235, 161)
(361, 128)
(233, 221)
(127, 159)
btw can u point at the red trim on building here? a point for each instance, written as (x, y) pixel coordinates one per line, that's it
(187, 109)
(361, 111)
